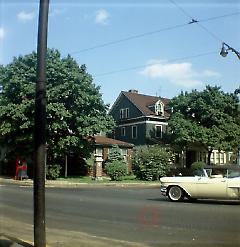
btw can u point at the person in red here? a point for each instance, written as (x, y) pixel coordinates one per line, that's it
(18, 167)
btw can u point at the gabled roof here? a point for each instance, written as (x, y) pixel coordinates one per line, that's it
(142, 101)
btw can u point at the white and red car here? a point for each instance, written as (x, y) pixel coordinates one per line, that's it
(216, 182)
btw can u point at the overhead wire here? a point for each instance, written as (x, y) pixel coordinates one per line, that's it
(196, 21)
(158, 31)
(151, 64)
(155, 32)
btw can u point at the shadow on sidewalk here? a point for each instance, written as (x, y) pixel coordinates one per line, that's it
(8, 241)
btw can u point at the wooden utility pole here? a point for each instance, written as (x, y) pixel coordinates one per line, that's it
(40, 129)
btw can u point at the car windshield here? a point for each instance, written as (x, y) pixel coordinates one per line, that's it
(199, 172)
(233, 173)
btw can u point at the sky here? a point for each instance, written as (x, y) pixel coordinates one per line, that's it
(158, 47)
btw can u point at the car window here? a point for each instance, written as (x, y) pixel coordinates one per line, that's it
(209, 172)
(199, 172)
(233, 173)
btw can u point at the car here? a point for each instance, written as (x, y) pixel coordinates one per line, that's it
(211, 182)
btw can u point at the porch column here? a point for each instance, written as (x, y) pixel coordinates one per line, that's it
(97, 168)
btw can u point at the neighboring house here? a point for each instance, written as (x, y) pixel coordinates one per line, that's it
(103, 147)
(140, 119)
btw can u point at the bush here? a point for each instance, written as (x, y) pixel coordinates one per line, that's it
(151, 163)
(53, 172)
(116, 170)
(197, 165)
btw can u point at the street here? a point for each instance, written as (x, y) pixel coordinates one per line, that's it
(132, 214)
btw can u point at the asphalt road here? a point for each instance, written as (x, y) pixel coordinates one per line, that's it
(139, 215)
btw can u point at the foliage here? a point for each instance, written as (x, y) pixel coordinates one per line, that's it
(53, 172)
(75, 108)
(151, 162)
(116, 170)
(115, 154)
(197, 165)
(209, 117)
(90, 161)
(116, 166)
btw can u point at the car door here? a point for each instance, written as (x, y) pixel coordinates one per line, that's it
(211, 187)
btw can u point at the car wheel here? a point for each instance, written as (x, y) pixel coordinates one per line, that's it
(175, 194)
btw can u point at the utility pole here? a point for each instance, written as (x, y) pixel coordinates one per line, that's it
(40, 128)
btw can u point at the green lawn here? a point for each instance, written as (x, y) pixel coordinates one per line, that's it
(86, 179)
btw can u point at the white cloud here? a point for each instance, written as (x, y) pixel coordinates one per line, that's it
(102, 16)
(210, 73)
(55, 11)
(180, 74)
(24, 16)
(2, 33)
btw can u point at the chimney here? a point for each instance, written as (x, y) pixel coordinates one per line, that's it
(133, 91)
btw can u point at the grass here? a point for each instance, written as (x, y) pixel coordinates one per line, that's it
(87, 179)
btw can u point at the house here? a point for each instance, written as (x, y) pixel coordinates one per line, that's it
(140, 119)
(143, 120)
(103, 147)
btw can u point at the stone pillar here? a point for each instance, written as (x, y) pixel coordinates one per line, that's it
(97, 168)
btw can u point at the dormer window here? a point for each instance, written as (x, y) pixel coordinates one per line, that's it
(159, 108)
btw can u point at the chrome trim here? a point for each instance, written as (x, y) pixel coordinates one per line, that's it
(163, 190)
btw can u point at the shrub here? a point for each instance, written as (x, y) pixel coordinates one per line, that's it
(151, 163)
(197, 165)
(116, 170)
(196, 168)
(53, 172)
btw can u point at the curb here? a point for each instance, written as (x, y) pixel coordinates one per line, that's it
(66, 184)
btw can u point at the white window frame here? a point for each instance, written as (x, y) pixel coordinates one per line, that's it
(123, 131)
(124, 113)
(156, 126)
(159, 108)
(134, 137)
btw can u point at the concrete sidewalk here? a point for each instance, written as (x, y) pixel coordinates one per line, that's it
(65, 183)
(19, 234)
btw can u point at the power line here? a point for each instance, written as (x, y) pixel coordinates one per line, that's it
(196, 21)
(143, 66)
(129, 38)
(152, 32)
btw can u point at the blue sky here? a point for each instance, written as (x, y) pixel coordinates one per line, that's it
(145, 45)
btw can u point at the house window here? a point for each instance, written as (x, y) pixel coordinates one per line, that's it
(124, 154)
(158, 131)
(124, 113)
(123, 131)
(134, 132)
(159, 108)
(98, 151)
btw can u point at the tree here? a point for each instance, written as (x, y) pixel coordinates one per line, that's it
(208, 117)
(75, 107)
(116, 167)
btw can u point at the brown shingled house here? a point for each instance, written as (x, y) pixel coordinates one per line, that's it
(140, 119)
(103, 147)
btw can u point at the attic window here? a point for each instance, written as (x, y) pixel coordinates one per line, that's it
(124, 113)
(159, 108)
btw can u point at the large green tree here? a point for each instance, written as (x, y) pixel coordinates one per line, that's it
(209, 118)
(75, 109)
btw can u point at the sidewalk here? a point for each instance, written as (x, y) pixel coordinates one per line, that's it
(23, 237)
(65, 183)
